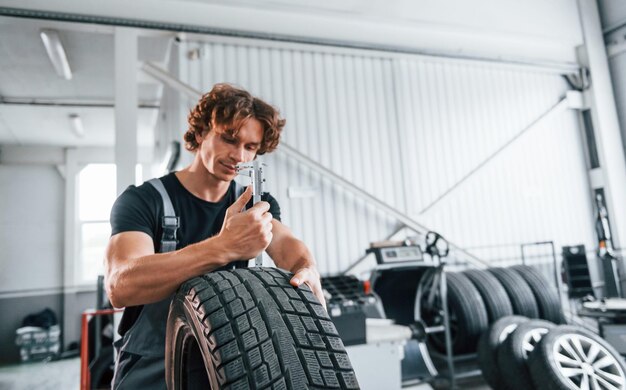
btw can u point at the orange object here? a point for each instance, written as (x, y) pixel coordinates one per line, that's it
(85, 377)
(367, 287)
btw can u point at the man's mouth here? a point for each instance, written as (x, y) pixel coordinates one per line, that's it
(230, 167)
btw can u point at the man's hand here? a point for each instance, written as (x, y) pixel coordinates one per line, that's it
(245, 234)
(311, 277)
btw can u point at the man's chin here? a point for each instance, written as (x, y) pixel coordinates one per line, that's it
(227, 176)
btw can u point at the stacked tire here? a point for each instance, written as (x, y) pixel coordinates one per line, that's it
(468, 315)
(519, 290)
(479, 298)
(522, 353)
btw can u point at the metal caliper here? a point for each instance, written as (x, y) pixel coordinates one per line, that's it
(254, 170)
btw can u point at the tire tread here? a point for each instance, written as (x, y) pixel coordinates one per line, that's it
(264, 333)
(547, 298)
(520, 294)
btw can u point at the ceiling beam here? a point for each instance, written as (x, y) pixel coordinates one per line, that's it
(64, 102)
(55, 155)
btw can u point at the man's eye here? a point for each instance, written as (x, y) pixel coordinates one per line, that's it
(252, 148)
(229, 140)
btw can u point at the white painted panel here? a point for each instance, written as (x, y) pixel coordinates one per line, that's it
(453, 118)
(618, 74)
(31, 228)
(406, 129)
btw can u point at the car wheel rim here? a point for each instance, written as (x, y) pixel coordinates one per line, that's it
(506, 332)
(587, 365)
(531, 338)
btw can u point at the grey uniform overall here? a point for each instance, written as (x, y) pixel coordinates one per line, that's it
(140, 362)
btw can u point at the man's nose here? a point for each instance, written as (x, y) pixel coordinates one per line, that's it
(238, 154)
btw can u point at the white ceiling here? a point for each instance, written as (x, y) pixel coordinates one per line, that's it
(532, 30)
(27, 75)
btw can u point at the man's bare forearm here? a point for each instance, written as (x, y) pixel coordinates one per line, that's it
(293, 255)
(151, 278)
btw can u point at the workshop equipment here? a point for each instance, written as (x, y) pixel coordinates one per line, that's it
(349, 304)
(576, 272)
(409, 282)
(612, 286)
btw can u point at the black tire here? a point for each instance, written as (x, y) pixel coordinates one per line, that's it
(546, 297)
(252, 330)
(493, 294)
(468, 316)
(488, 345)
(520, 294)
(513, 353)
(545, 370)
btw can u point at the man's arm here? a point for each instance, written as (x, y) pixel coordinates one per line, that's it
(135, 275)
(292, 254)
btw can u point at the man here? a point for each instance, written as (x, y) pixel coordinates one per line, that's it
(227, 127)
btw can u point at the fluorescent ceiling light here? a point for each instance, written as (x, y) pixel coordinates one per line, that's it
(56, 52)
(77, 125)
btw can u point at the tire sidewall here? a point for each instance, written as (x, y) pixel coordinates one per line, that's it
(511, 359)
(542, 363)
(488, 345)
(180, 328)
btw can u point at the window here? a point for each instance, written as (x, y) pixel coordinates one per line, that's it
(96, 195)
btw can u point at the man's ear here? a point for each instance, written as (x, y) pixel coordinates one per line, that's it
(199, 138)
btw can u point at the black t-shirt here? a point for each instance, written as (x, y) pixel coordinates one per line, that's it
(141, 209)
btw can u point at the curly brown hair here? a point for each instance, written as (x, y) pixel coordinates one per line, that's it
(228, 108)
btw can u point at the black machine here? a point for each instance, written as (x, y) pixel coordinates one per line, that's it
(407, 277)
(349, 302)
(610, 309)
(605, 251)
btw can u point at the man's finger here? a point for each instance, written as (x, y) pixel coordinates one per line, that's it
(298, 278)
(267, 219)
(303, 276)
(260, 207)
(242, 201)
(306, 276)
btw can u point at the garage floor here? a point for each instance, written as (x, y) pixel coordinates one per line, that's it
(65, 374)
(60, 374)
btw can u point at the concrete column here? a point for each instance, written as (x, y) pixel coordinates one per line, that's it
(607, 131)
(125, 106)
(72, 169)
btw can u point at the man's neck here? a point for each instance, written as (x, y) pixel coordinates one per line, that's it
(202, 184)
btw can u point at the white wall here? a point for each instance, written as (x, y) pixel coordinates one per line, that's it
(31, 228)
(617, 64)
(455, 116)
(405, 128)
(613, 14)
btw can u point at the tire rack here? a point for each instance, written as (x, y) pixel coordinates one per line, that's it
(448, 357)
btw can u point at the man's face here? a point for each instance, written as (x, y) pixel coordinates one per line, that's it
(220, 152)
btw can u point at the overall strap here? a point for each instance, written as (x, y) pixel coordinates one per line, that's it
(170, 222)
